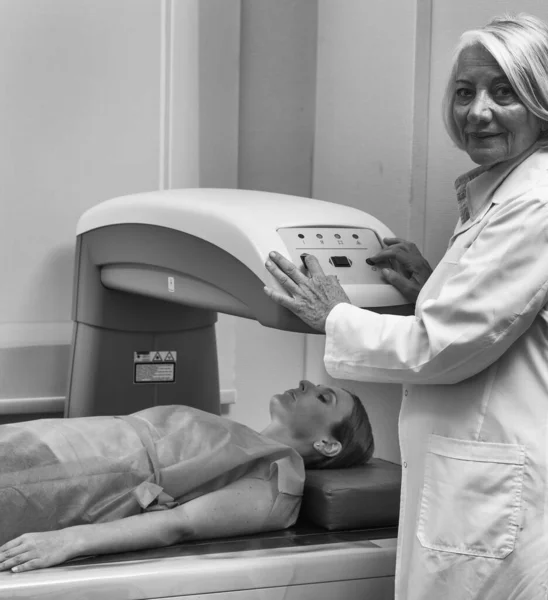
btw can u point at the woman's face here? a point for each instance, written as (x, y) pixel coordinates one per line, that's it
(494, 124)
(309, 411)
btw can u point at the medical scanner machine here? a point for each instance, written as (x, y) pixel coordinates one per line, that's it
(152, 272)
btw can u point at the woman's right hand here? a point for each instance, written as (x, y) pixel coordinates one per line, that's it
(37, 550)
(406, 268)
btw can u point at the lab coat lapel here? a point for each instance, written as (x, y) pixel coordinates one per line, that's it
(491, 186)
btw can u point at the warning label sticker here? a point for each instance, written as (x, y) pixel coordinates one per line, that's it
(155, 366)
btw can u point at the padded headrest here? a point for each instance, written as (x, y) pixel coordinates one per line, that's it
(357, 498)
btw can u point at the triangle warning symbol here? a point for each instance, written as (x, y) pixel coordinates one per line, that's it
(157, 357)
(169, 356)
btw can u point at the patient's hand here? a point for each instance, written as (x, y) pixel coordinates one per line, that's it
(37, 550)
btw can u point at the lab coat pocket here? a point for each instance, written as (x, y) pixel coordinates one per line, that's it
(471, 497)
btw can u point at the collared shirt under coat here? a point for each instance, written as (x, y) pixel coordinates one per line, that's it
(474, 419)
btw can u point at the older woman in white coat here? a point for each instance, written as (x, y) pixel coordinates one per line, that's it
(473, 360)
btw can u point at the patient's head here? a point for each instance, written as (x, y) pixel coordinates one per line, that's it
(328, 426)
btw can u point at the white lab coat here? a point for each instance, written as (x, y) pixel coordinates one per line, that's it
(474, 419)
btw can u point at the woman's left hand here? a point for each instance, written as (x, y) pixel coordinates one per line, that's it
(36, 551)
(313, 296)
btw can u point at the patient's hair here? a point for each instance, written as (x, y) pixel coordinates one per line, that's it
(356, 437)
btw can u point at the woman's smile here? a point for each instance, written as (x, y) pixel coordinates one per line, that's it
(484, 140)
(484, 135)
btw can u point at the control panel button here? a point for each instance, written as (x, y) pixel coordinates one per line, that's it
(340, 261)
(340, 251)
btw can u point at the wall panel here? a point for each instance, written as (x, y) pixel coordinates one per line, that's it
(80, 124)
(364, 125)
(278, 71)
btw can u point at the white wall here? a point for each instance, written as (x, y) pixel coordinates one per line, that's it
(69, 106)
(277, 99)
(100, 98)
(76, 79)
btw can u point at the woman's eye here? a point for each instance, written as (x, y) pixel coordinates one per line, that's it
(463, 93)
(504, 91)
(322, 398)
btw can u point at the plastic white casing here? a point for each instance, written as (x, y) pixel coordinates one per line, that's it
(249, 224)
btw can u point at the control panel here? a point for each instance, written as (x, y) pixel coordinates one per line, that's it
(341, 251)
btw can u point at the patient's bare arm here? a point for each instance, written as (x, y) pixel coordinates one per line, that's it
(47, 548)
(240, 508)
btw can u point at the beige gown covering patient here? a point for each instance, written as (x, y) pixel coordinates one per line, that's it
(55, 473)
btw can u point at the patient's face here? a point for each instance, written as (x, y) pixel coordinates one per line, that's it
(309, 411)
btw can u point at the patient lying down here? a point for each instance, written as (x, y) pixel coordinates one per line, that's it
(166, 475)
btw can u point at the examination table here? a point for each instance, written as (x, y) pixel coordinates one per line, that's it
(343, 546)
